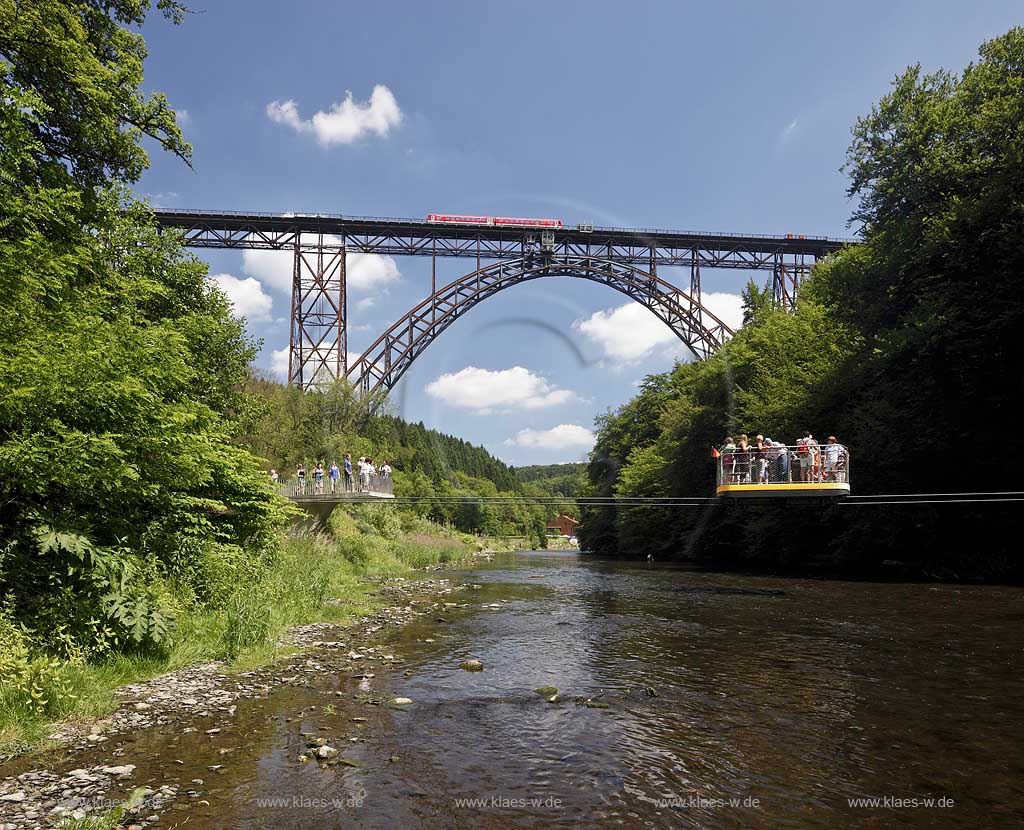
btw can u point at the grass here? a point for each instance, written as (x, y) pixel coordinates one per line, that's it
(317, 578)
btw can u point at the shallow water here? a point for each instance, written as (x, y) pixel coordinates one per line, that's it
(788, 696)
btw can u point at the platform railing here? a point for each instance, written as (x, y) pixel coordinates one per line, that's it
(790, 464)
(376, 485)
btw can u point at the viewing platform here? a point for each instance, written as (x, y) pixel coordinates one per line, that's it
(317, 501)
(784, 471)
(378, 487)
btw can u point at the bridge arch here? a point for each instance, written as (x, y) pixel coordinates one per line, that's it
(382, 365)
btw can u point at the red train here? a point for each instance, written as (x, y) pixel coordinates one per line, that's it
(454, 219)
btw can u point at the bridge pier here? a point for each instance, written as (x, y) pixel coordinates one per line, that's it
(318, 344)
(787, 277)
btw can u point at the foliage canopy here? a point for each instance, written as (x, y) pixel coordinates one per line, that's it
(123, 493)
(906, 346)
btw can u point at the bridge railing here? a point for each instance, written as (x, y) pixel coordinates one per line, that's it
(784, 464)
(569, 227)
(376, 485)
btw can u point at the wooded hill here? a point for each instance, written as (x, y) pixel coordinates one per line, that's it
(907, 347)
(286, 425)
(555, 479)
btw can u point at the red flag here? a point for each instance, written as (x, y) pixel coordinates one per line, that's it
(715, 453)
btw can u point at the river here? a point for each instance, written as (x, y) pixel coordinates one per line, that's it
(685, 699)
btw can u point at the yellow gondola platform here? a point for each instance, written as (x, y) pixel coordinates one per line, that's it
(828, 489)
(780, 469)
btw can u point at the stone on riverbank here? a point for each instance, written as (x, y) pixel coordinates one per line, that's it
(121, 771)
(207, 691)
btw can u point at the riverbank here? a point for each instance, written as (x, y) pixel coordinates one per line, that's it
(549, 689)
(349, 576)
(37, 788)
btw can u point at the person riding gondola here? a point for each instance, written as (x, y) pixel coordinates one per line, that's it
(743, 457)
(728, 455)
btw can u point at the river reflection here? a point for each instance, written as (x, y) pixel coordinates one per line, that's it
(788, 696)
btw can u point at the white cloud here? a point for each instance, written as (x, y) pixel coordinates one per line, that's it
(561, 437)
(287, 113)
(365, 303)
(345, 122)
(482, 390)
(165, 199)
(182, 117)
(364, 272)
(726, 307)
(272, 268)
(626, 334)
(246, 295)
(630, 333)
(279, 363)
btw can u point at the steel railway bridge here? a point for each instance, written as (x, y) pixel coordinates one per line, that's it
(621, 258)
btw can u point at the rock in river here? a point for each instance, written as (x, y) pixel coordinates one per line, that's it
(471, 665)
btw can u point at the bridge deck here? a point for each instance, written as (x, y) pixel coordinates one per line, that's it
(415, 237)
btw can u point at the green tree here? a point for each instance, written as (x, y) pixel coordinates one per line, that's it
(906, 346)
(77, 67)
(120, 366)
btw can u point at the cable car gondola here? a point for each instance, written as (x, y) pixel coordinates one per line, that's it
(784, 471)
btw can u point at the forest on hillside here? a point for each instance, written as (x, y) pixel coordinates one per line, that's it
(286, 425)
(556, 479)
(906, 346)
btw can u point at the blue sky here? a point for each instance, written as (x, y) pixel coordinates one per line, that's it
(709, 116)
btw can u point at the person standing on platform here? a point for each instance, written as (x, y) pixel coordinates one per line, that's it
(347, 463)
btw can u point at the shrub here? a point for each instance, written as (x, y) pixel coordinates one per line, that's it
(247, 623)
(342, 525)
(29, 686)
(379, 519)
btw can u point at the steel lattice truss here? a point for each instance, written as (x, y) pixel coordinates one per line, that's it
(318, 341)
(384, 363)
(622, 258)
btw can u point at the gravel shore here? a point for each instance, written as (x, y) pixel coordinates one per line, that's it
(44, 797)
